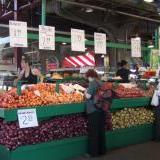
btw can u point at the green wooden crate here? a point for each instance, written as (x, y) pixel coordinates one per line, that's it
(75, 147)
(130, 103)
(45, 111)
(129, 136)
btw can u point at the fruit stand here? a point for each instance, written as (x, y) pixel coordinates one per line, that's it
(70, 124)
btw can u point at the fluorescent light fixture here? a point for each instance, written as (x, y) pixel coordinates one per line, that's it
(102, 56)
(89, 10)
(64, 43)
(149, 1)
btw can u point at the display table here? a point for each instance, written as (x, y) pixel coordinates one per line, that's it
(73, 147)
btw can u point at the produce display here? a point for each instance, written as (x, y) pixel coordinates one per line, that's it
(38, 95)
(129, 117)
(131, 91)
(57, 128)
(57, 76)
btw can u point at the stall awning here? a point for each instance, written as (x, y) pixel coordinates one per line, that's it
(80, 60)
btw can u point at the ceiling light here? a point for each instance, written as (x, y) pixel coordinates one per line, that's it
(149, 1)
(64, 43)
(89, 10)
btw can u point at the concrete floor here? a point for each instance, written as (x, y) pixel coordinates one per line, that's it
(147, 151)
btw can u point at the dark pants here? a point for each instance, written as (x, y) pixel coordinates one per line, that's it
(157, 123)
(96, 133)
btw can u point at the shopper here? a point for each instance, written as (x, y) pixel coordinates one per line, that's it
(124, 72)
(27, 74)
(96, 118)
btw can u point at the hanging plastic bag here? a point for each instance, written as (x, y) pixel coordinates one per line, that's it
(155, 99)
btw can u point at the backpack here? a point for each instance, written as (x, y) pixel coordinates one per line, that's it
(103, 99)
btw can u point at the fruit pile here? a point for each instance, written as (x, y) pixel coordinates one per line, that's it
(129, 117)
(123, 92)
(57, 128)
(38, 95)
(132, 92)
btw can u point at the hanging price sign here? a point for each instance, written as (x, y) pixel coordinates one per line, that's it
(27, 118)
(46, 37)
(136, 47)
(77, 40)
(18, 34)
(100, 43)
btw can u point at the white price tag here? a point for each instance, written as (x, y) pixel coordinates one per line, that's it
(27, 118)
(37, 93)
(136, 47)
(100, 45)
(78, 40)
(18, 34)
(46, 37)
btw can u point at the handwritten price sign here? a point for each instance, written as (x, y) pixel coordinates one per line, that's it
(100, 43)
(46, 37)
(77, 40)
(27, 118)
(18, 34)
(136, 47)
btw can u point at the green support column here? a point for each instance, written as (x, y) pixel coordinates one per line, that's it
(43, 16)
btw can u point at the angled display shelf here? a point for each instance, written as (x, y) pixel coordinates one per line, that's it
(65, 109)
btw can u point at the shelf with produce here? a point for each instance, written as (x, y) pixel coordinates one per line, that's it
(65, 109)
(76, 69)
(54, 149)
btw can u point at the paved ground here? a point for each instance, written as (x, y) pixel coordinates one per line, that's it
(147, 151)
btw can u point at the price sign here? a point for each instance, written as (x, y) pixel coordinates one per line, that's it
(100, 43)
(18, 34)
(78, 40)
(27, 118)
(136, 47)
(46, 37)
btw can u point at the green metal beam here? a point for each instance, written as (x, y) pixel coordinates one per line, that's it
(156, 39)
(60, 39)
(43, 15)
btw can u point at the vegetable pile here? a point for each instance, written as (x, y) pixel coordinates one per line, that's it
(55, 129)
(38, 95)
(129, 117)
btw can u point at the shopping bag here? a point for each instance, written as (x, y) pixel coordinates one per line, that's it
(155, 99)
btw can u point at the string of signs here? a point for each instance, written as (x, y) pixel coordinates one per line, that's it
(18, 38)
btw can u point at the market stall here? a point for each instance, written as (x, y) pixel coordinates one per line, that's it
(62, 124)
(58, 107)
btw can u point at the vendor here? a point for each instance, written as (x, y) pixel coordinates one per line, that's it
(27, 74)
(124, 72)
